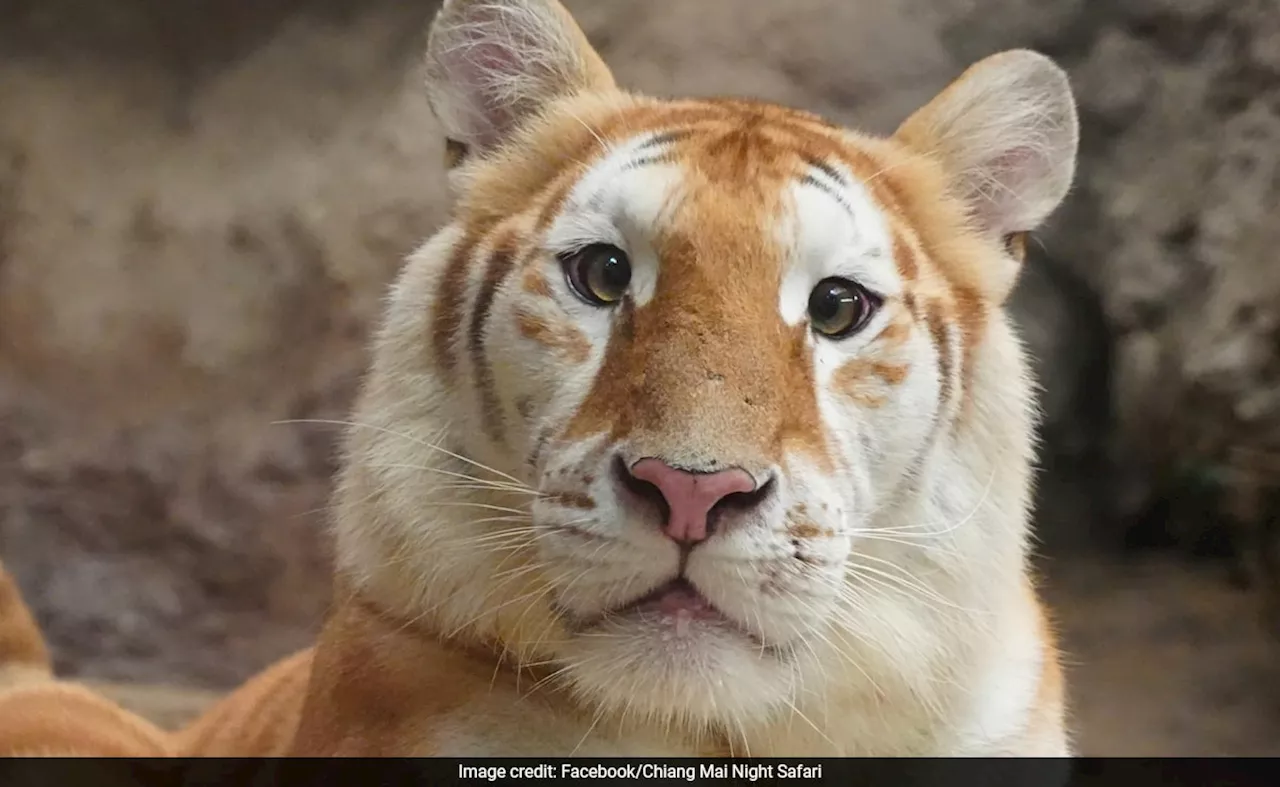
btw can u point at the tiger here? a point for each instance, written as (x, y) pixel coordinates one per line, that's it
(699, 428)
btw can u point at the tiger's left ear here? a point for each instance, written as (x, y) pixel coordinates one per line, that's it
(1006, 134)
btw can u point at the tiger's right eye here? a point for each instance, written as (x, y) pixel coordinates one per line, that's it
(598, 274)
(839, 307)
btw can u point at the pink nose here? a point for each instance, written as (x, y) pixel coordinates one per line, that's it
(690, 496)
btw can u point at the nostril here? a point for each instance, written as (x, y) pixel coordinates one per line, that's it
(645, 490)
(742, 501)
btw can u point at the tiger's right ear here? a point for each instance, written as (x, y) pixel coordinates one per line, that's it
(491, 64)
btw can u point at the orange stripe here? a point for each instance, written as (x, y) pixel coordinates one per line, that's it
(447, 317)
(535, 283)
(942, 344)
(572, 500)
(563, 338)
(499, 265)
(905, 258)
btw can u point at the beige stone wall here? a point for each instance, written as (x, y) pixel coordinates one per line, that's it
(186, 258)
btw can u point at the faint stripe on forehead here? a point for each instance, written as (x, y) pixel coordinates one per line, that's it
(827, 179)
(656, 149)
(662, 139)
(828, 170)
(614, 194)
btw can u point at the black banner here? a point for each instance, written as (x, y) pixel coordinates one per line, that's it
(578, 771)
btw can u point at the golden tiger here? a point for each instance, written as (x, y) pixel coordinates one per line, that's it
(699, 429)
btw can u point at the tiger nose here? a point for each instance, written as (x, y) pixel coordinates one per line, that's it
(690, 496)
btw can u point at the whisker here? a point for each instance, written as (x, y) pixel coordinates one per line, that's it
(484, 483)
(550, 678)
(595, 719)
(472, 487)
(486, 506)
(492, 542)
(796, 710)
(908, 530)
(402, 436)
(487, 611)
(867, 574)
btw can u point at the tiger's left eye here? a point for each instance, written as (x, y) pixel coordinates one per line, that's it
(839, 307)
(600, 273)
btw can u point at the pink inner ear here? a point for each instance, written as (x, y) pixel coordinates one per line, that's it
(487, 56)
(478, 66)
(1001, 186)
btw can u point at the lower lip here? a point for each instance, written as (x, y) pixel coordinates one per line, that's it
(679, 607)
(679, 602)
(676, 608)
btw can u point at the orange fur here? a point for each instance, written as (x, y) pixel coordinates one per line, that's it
(43, 717)
(23, 655)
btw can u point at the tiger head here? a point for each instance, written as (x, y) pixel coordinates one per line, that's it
(710, 403)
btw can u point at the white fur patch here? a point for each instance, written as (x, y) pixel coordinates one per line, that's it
(1005, 691)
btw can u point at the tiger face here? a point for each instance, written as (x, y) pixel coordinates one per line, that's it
(711, 404)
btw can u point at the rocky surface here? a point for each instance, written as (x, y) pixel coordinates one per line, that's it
(201, 202)
(193, 242)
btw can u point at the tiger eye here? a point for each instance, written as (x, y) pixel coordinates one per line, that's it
(839, 307)
(599, 274)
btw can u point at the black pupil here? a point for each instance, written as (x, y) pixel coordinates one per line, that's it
(615, 274)
(829, 302)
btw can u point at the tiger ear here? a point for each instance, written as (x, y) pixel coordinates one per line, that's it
(1006, 134)
(491, 64)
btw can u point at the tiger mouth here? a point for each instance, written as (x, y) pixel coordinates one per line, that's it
(677, 598)
(676, 604)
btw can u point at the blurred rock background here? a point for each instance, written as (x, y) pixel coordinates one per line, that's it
(200, 203)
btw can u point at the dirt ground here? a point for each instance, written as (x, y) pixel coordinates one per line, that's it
(1163, 660)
